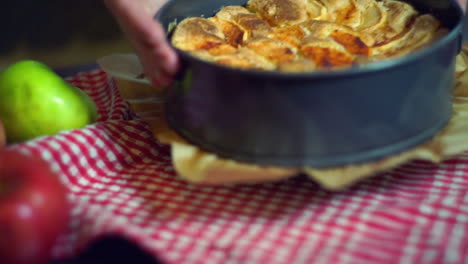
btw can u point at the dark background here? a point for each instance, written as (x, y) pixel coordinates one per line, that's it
(59, 33)
(113, 250)
(65, 34)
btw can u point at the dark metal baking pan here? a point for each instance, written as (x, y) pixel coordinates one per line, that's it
(318, 119)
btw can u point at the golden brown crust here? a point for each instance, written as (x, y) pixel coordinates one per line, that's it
(373, 15)
(280, 12)
(201, 34)
(250, 23)
(399, 18)
(354, 42)
(422, 30)
(326, 53)
(291, 34)
(246, 59)
(233, 34)
(274, 50)
(302, 65)
(343, 12)
(329, 34)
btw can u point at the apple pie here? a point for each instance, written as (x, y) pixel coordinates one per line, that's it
(307, 35)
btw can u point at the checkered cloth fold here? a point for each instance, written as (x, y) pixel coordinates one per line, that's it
(121, 181)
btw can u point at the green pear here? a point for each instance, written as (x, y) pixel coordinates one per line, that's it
(35, 101)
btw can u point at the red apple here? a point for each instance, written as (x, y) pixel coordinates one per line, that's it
(33, 209)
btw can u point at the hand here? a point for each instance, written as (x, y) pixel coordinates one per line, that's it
(136, 18)
(462, 4)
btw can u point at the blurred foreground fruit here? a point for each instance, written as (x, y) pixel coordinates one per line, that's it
(2, 136)
(33, 209)
(35, 101)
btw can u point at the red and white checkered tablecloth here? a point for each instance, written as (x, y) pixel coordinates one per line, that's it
(121, 182)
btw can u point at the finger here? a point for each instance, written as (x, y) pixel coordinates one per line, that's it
(463, 4)
(156, 73)
(154, 46)
(160, 66)
(149, 31)
(159, 79)
(169, 60)
(165, 81)
(162, 50)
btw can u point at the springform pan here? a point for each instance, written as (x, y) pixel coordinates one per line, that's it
(318, 119)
